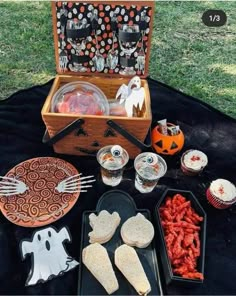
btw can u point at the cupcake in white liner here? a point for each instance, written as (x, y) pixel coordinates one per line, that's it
(221, 194)
(193, 162)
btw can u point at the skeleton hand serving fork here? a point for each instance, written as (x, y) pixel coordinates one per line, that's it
(76, 183)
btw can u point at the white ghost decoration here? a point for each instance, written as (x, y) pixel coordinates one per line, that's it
(49, 257)
(122, 93)
(132, 95)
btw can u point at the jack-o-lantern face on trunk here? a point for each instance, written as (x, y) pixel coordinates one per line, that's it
(91, 134)
(95, 144)
(166, 144)
(87, 138)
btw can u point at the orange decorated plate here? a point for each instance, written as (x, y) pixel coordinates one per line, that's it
(41, 203)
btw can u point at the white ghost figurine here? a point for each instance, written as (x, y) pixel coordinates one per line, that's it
(132, 95)
(49, 257)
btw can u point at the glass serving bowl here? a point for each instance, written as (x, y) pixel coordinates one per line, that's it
(80, 98)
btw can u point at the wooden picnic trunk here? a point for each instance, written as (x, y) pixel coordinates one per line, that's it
(77, 134)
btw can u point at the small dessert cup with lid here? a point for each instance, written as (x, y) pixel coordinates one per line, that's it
(149, 168)
(112, 160)
(221, 194)
(193, 162)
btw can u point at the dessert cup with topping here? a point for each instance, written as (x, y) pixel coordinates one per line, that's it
(193, 162)
(221, 194)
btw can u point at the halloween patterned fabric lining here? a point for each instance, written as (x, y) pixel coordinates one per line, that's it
(126, 14)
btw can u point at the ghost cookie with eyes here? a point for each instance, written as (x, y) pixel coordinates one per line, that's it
(48, 255)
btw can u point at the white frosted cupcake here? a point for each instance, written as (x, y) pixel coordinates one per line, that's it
(221, 194)
(193, 162)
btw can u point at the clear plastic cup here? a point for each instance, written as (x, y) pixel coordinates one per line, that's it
(149, 168)
(112, 160)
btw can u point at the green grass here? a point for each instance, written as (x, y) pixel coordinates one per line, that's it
(186, 55)
(26, 45)
(198, 60)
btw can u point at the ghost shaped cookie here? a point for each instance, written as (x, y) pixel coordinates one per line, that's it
(48, 255)
(137, 231)
(104, 226)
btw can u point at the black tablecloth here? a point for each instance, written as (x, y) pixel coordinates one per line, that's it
(206, 129)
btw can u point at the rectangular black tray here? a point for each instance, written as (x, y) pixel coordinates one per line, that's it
(170, 278)
(88, 285)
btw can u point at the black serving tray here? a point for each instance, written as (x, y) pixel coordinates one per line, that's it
(121, 202)
(170, 278)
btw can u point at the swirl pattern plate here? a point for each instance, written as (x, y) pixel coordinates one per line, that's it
(41, 204)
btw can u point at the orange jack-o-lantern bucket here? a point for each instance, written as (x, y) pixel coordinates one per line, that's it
(167, 144)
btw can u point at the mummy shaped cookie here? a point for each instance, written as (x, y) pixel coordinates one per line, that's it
(104, 226)
(48, 255)
(137, 231)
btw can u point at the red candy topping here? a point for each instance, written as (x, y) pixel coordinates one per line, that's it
(194, 158)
